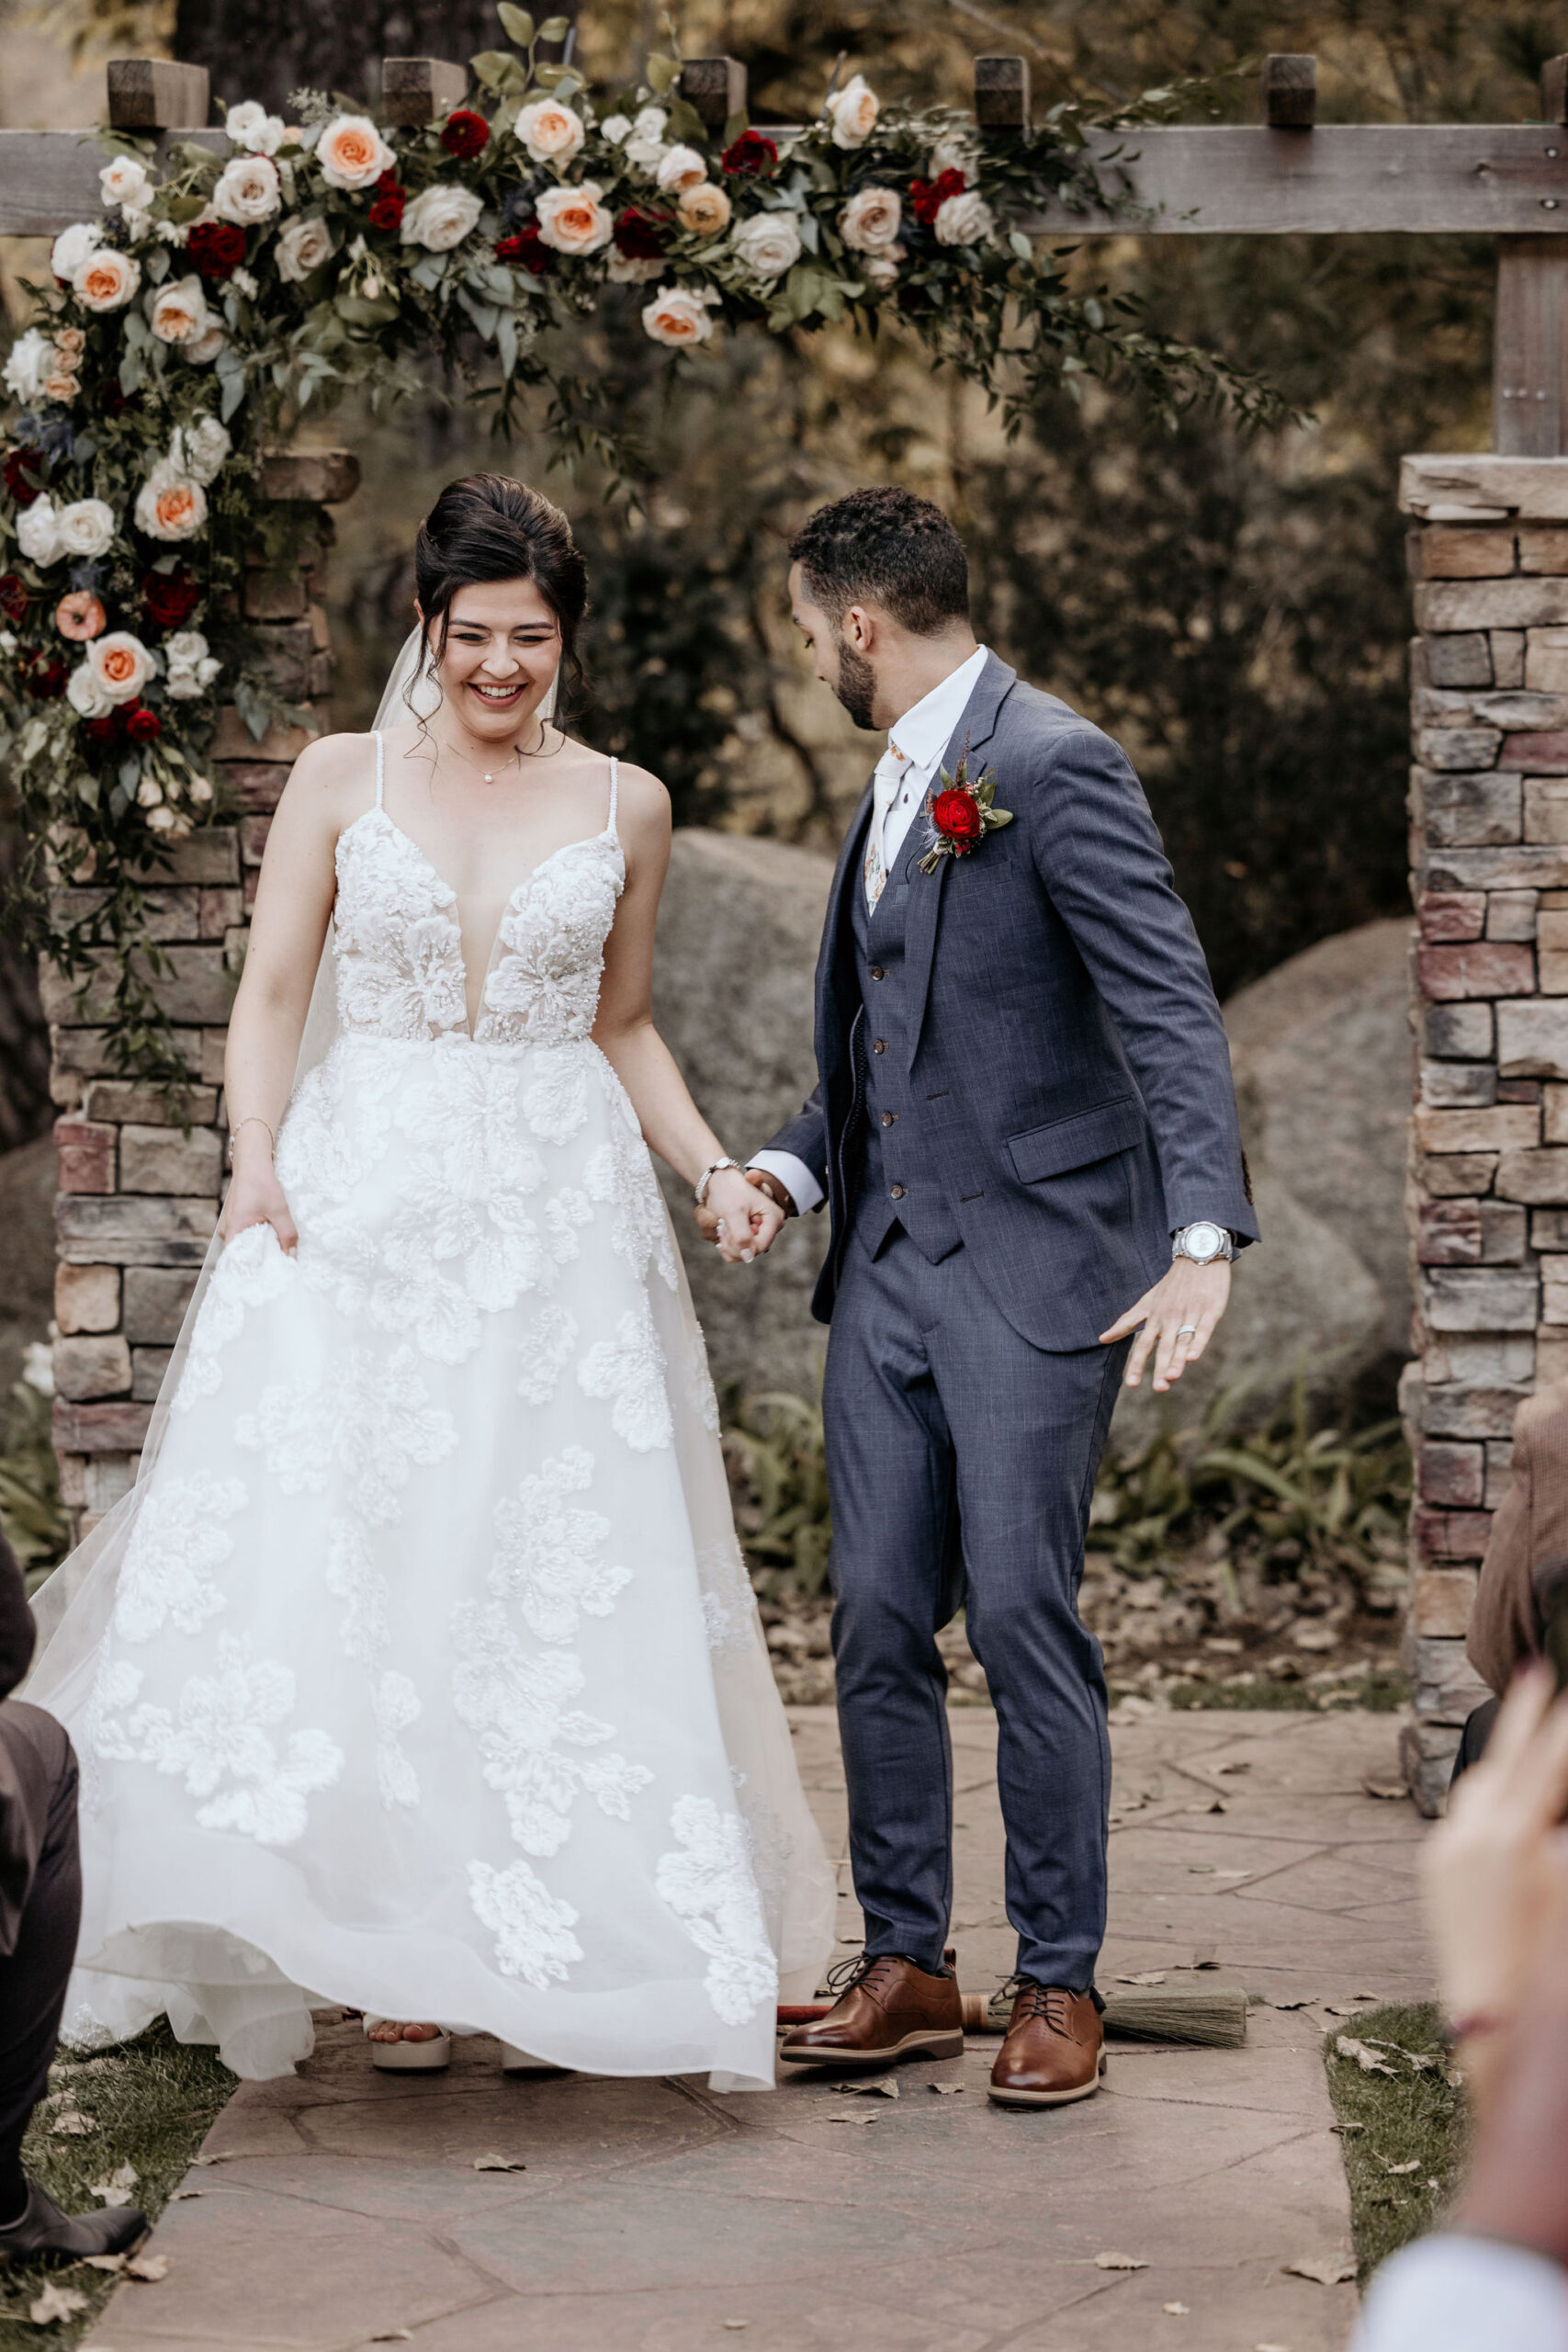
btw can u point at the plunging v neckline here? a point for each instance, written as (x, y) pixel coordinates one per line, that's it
(587, 841)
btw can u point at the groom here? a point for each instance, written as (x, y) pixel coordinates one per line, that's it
(1025, 1130)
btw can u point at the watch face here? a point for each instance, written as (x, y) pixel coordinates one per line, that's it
(1202, 1242)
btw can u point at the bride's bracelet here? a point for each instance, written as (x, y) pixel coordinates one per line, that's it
(252, 1119)
(709, 1172)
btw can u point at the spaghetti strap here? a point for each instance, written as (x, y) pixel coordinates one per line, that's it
(379, 765)
(614, 786)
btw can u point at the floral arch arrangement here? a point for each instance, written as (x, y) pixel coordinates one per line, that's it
(213, 305)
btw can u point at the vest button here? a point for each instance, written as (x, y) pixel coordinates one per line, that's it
(877, 973)
(879, 1045)
(897, 1192)
(888, 1118)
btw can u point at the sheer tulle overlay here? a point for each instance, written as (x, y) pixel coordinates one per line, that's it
(421, 1670)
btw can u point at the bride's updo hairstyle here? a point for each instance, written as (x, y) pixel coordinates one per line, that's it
(486, 527)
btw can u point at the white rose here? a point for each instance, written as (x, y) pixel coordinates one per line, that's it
(73, 245)
(622, 270)
(106, 280)
(248, 190)
(120, 665)
(767, 244)
(84, 694)
(38, 531)
(128, 183)
(677, 316)
(31, 361)
(351, 153)
(187, 646)
(250, 126)
(615, 128)
(551, 133)
(854, 109)
(680, 168)
(572, 220)
(651, 125)
(441, 217)
(169, 505)
(206, 345)
(178, 313)
(197, 451)
(302, 246)
(87, 528)
(870, 221)
(645, 154)
(965, 219)
(880, 270)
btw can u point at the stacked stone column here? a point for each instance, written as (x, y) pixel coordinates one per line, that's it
(1488, 1195)
(141, 1169)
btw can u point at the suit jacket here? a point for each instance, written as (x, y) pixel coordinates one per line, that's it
(1067, 1064)
(1529, 1531)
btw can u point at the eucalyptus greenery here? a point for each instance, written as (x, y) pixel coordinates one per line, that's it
(226, 295)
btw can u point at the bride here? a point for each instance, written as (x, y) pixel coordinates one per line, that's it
(420, 1670)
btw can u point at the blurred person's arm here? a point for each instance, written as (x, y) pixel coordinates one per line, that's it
(1451, 2294)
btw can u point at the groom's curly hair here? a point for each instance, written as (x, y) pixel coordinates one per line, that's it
(885, 546)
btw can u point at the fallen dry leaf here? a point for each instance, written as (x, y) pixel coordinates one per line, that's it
(1346, 2129)
(149, 2267)
(1414, 2165)
(1368, 2060)
(116, 2187)
(493, 2162)
(1351, 2008)
(1118, 2262)
(1144, 1976)
(945, 2090)
(1176, 2311)
(72, 2124)
(1327, 2269)
(115, 2262)
(881, 2087)
(56, 2302)
(851, 2115)
(1385, 1789)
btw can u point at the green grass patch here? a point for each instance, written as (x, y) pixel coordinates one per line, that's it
(1379, 1694)
(150, 2103)
(1414, 2116)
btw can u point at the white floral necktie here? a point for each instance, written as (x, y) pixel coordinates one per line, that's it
(889, 775)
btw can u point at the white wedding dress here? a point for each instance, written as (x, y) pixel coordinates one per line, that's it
(421, 1671)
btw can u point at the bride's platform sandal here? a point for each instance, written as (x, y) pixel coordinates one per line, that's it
(523, 2062)
(404, 2057)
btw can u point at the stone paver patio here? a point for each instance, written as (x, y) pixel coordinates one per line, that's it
(341, 2209)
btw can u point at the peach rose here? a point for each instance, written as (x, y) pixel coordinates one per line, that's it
(80, 617)
(677, 317)
(106, 280)
(169, 505)
(178, 312)
(703, 209)
(572, 220)
(854, 109)
(119, 665)
(351, 153)
(680, 168)
(551, 133)
(61, 386)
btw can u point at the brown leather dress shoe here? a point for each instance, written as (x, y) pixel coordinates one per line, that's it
(890, 2008)
(1054, 2050)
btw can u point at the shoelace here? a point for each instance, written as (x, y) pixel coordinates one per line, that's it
(845, 1975)
(1050, 2003)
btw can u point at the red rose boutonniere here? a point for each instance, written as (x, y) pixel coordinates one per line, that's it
(960, 815)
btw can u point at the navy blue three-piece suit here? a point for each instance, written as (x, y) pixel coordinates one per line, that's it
(1023, 1090)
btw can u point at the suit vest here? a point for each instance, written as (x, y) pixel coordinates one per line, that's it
(898, 1185)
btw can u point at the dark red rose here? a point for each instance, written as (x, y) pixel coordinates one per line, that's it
(387, 213)
(26, 471)
(170, 598)
(528, 249)
(750, 156)
(216, 247)
(142, 726)
(13, 598)
(956, 816)
(639, 236)
(928, 196)
(465, 134)
(44, 676)
(104, 730)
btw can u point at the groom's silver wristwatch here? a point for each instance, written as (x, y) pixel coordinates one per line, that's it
(1202, 1243)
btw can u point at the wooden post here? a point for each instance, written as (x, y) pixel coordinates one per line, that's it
(714, 88)
(1001, 93)
(1289, 91)
(154, 93)
(417, 90)
(1529, 380)
(1554, 90)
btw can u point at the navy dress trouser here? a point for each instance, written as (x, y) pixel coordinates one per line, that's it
(961, 1460)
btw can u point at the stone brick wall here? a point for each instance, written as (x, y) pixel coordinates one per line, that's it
(1488, 1194)
(138, 1190)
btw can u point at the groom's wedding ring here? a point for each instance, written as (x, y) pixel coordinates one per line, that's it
(1185, 1331)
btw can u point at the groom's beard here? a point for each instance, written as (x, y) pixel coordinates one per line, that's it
(856, 688)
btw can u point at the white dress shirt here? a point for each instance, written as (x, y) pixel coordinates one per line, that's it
(905, 773)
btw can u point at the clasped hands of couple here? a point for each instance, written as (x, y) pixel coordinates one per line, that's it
(1174, 1320)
